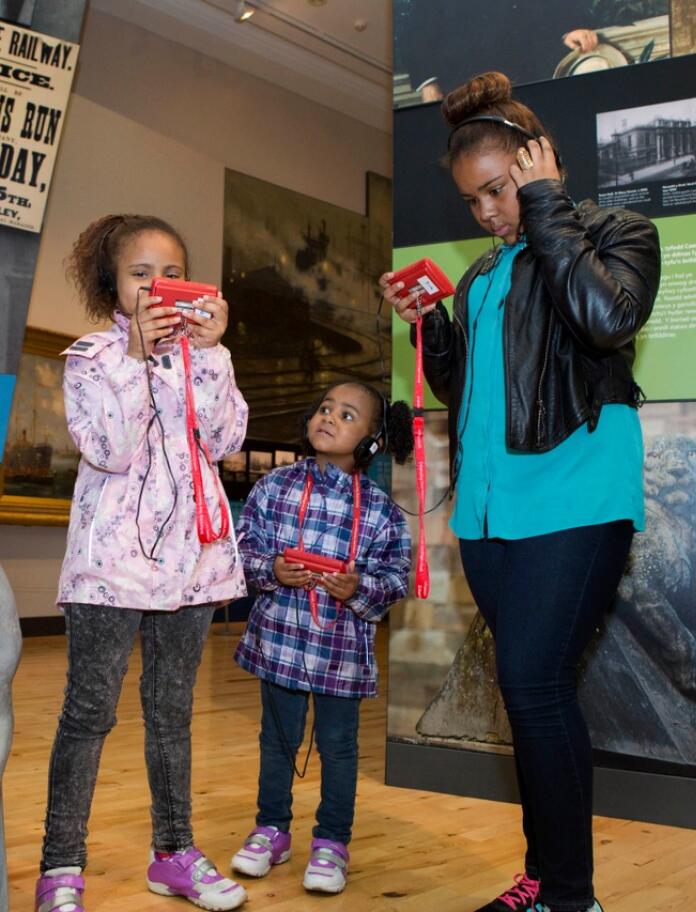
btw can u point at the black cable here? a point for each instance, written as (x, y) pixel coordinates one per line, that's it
(155, 417)
(425, 512)
(274, 709)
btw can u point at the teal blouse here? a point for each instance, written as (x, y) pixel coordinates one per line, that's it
(589, 478)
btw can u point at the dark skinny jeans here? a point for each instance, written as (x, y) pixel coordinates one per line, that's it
(282, 730)
(100, 640)
(543, 598)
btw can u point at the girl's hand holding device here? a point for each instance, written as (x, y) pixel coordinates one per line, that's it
(290, 574)
(201, 308)
(341, 585)
(154, 322)
(415, 290)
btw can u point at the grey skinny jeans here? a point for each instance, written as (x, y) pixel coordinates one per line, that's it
(100, 640)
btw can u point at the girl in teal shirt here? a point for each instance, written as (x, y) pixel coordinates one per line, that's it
(535, 368)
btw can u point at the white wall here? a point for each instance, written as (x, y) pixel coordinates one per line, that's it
(109, 163)
(151, 127)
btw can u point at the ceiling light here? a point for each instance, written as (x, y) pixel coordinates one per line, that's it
(242, 11)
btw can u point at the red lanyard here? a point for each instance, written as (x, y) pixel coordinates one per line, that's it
(422, 571)
(206, 533)
(352, 551)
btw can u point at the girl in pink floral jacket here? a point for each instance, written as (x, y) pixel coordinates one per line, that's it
(134, 563)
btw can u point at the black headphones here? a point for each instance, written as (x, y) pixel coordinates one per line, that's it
(494, 118)
(105, 276)
(369, 446)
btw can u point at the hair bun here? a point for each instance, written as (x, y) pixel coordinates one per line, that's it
(475, 96)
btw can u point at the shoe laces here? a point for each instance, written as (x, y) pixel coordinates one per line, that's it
(524, 889)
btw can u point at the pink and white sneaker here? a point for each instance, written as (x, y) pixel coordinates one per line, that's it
(327, 867)
(60, 892)
(264, 847)
(190, 874)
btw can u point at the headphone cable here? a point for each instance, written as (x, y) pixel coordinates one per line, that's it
(155, 417)
(292, 755)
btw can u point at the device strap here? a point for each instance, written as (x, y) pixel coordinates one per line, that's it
(422, 569)
(353, 547)
(196, 445)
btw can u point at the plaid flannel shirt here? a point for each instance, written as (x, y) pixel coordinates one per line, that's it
(281, 642)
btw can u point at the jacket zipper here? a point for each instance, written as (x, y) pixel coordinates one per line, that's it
(541, 409)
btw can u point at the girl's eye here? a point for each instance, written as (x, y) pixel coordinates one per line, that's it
(323, 409)
(348, 416)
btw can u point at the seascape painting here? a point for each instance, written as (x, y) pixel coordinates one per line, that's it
(40, 463)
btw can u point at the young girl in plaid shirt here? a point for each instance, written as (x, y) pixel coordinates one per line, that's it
(320, 641)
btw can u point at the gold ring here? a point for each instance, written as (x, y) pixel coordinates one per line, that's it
(524, 160)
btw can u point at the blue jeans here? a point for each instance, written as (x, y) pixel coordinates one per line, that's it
(543, 598)
(282, 730)
(100, 640)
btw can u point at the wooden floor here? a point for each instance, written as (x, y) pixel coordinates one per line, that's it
(411, 850)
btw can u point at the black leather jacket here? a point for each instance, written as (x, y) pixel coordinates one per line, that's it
(580, 291)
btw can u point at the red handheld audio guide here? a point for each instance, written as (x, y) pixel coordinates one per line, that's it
(425, 279)
(182, 295)
(316, 563)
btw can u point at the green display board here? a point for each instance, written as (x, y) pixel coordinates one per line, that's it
(666, 347)
(665, 365)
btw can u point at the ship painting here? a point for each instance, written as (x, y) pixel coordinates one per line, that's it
(28, 461)
(40, 457)
(301, 279)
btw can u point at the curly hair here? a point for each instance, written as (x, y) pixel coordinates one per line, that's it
(93, 260)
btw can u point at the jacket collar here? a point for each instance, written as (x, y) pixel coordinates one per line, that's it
(122, 321)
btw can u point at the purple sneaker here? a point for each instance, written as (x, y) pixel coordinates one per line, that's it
(327, 867)
(59, 893)
(190, 874)
(264, 847)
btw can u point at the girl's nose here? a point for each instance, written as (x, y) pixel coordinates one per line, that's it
(488, 209)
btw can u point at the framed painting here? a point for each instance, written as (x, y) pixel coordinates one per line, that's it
(39, 469)
(260, 463)
(301, 276)
(285, 457)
